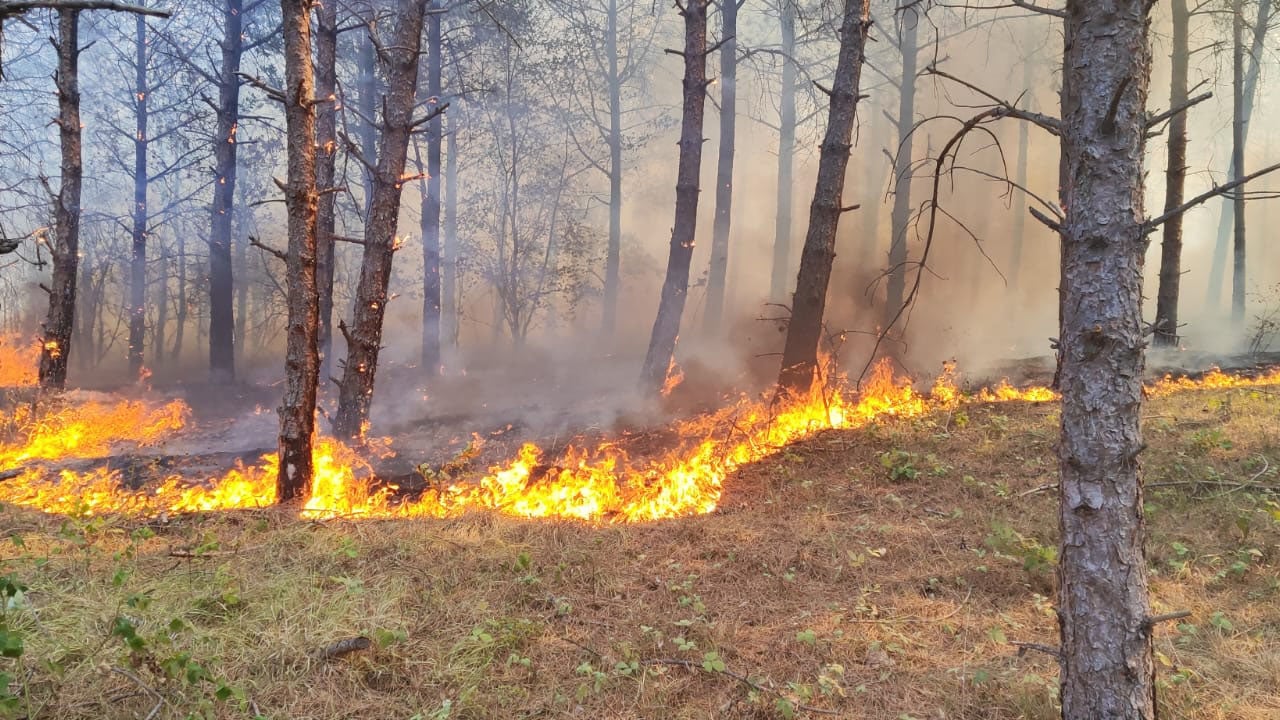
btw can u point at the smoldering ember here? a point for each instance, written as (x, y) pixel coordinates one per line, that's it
(427, 359)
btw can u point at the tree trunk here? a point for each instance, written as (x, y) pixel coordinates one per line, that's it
(781, 275)
(675, 289)
(66, 214)
(449, 259)
(367, 110)
(221, 323)
(138, 261)
(1238, 274)
(431, 206)
(364, 338)
(902, 169)
(180, 316)
(326, 32)
(718, 276)
(1020, 196)
(1218, 269)
(159, 338)
(1166, 325)
(800, 355)
(302, 361)
(613, 253)
(1107, 670)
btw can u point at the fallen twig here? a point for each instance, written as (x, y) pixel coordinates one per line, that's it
(344, 647)
(1023, 647)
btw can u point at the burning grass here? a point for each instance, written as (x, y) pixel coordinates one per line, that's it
(18, 361)
(876, 572)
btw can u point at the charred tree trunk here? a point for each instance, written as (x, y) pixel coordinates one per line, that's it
(908, 46)
(449, 256)
(302, 361)
(222, 354)
(675, 289)
(431, 206)
(613, 254)
(138, 261)
(1250, 92)
(1106, 656)
(60, 322)
(780, 276)
(718, 277)
(364, 339)
(1166, 325)
(1238, 268)
(326, 74)
(804, 332)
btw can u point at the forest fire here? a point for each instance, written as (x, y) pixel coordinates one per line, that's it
(598, 484)
(17, 361)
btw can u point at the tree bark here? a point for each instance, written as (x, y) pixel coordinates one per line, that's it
(431, 290)
(449, 255)
(1238, 274)
(781, 275)
(1166, 325)
(1218, 268)
(1020, 197)
(222, 354)
(367, 110)
(718, 276)
(302, 361)
(613, 253)
(804, 332)
(138, 261)
(60, 322)
(326, 74)
(901, 217)
(1106, 655)
(675, 289)
(364, 339)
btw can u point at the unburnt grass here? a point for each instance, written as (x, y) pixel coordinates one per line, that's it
(881, 573)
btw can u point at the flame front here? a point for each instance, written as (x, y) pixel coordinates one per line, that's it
(18, 361)
(598, 484)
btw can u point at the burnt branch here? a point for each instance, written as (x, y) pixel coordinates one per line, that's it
(1048, 123)
(266, 248)
(273, 93)
(1181, 108)
(1204, 197)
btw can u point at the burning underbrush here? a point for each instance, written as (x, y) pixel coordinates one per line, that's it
(59, 458)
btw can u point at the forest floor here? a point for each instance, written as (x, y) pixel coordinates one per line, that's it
(884, 573)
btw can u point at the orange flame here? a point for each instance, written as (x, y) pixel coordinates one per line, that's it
(18, 360)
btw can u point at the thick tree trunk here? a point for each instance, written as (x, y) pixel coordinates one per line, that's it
(781, 275)
(804, 332)
(1107, 670)
(675, 289)
(302, 361)
(221, 323)
(1238, 268)
(364, 338)
(431, 206)
(613, 253)
(449, 255)
(908, 44)
(60, 322)
(138, 261)
(326, 39)
(718, 276)
(1166, 325)
(1217, 270)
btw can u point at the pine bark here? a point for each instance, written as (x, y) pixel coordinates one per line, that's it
(1166, 325)
(613, 253)
(718, 275)
(138, 258)
(431, 289)
(804, 332)
(399, 55)
(302, 361)
(60, 322)
(1107, 671)
(222, 354)
(900, 219)
(675, 288)
(326, 76)
(781, 274)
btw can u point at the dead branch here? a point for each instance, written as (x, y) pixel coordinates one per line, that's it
(344, 647)
(9, 8)
(274, 93)
(1217, 190)
(1167, 114)
(1049, 124)
(254, 242)
(1023, 647)
(1166, 617)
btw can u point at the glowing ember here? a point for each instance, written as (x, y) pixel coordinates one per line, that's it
(18, 359)
(599, 484)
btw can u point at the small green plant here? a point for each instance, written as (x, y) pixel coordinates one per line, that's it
(900, 464)
(1007, 542)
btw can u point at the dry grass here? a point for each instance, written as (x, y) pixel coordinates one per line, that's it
(874, 574)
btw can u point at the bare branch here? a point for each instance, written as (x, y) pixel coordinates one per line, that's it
(1205, 197)
(9, 8)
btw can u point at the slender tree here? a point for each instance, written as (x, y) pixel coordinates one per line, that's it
(302, 361)
(675, 288)
(222, 354)
(138, 256)
(326, 77)
(1166, 325)
(1238, 120)
(718, 276)
(908, 48)
(431, 290)
(800, 355)
(398, 53)
(780, 276)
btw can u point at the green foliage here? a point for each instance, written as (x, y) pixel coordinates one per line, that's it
(1007, 542)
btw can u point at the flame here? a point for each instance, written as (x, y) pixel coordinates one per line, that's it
(18, 361)
(597, 484)
(675, 376)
